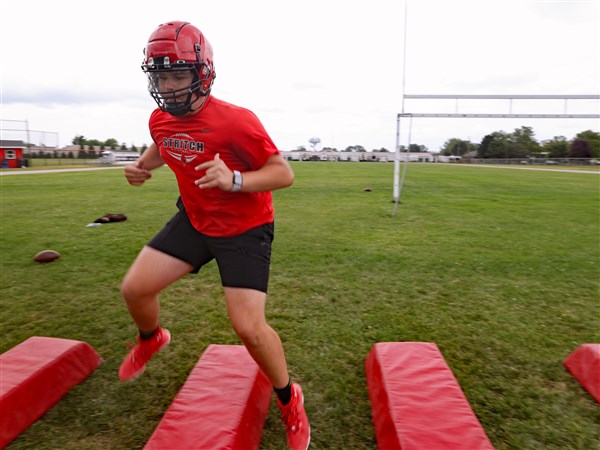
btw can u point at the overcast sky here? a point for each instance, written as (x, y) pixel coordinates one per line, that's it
(310, 68)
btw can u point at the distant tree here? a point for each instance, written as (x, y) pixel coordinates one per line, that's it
(79, 140)
(416, 148)
(580, 149)
(522, 143)
(383, 149)
(593, 140)
(94, 142)
(557, 147)
(355, 148)
(457, 147)
(518, 144)
(143, 149)
(493, 145)
(112, 143)
(123, 146)
(133, 148)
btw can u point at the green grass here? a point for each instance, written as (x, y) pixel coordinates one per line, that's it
(500, 268)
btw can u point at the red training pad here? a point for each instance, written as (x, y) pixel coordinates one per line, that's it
(416, 401)
(222, 405)
(584, 364)
(35, 375)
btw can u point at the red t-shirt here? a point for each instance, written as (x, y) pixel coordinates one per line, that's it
(242, 143)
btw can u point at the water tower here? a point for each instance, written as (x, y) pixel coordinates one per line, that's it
(314, 141)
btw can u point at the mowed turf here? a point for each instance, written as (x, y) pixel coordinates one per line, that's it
(500, 268)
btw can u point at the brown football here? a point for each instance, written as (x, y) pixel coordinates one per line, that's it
(46, 256)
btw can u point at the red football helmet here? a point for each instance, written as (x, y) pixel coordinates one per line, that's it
(178, 46)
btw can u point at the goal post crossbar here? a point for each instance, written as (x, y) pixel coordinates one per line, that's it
(502, 116)
(503, 96)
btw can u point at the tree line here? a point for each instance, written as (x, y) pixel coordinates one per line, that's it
(521, 143)
(109, 144)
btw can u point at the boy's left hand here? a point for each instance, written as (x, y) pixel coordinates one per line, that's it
(217, 175)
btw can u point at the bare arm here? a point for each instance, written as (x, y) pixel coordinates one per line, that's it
(138, 172)
(276, 173)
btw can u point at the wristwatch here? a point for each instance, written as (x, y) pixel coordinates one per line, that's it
(237, 181)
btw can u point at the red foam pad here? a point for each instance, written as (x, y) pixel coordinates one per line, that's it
(222, 405)
(416, 401)
(35, 375)
(584, 364)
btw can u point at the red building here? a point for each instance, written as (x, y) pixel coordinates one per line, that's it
(11, 154)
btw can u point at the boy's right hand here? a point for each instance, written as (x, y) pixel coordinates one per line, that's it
(136, 174)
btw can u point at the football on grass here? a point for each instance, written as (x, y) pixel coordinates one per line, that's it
(46, 256)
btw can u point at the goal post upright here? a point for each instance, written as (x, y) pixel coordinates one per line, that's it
(397, 184)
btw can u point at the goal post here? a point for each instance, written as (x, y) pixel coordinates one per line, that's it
(399, 181)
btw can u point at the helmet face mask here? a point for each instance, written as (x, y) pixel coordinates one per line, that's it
(179, 66)
(174, 91)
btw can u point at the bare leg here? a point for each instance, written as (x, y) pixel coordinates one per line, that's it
(149, 274)
(246, 309)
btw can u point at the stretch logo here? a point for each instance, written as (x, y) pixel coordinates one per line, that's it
(183, 147)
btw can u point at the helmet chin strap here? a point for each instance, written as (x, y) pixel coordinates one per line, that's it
(179, 108)
(182, 108)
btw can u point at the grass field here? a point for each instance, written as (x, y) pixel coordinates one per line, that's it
(500, 268)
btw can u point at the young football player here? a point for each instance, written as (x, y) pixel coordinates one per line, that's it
(226, 166)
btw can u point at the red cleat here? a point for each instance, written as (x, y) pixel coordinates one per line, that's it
(135, 362)
(293, 416)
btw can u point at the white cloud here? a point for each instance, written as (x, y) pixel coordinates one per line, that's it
(329, 68)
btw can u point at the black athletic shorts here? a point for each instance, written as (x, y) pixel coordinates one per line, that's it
(244, 261)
